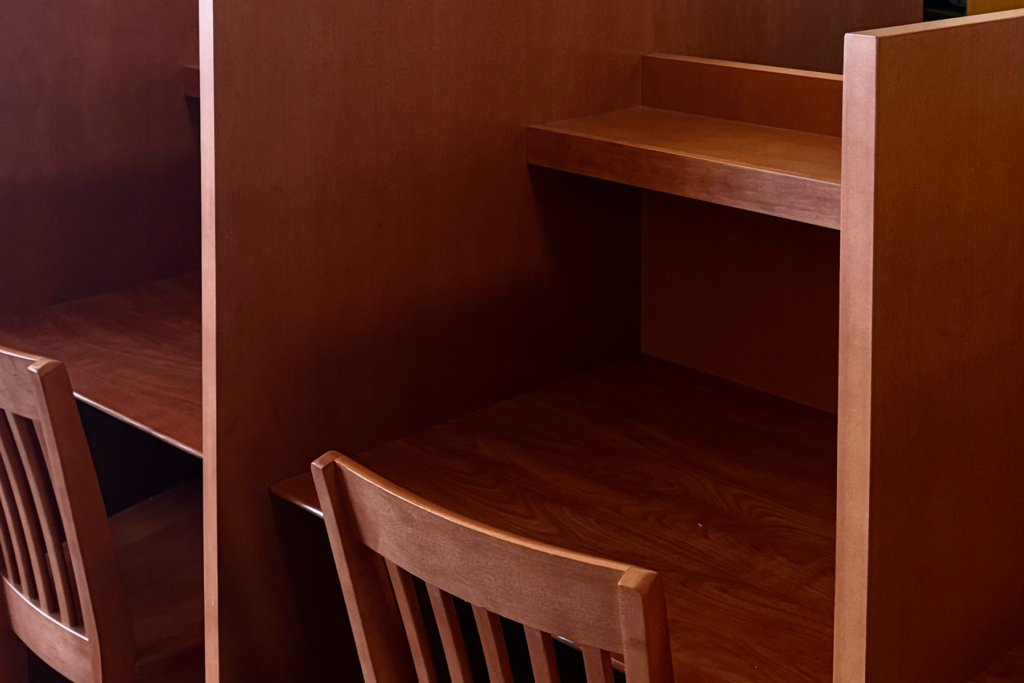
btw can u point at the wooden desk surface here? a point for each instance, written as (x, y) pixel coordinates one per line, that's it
(728, 492)
(135, 354)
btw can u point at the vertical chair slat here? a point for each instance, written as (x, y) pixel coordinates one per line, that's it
(412, 619)
(37, 471)
(24, 569)
(542, 656)
(11, 559)
(15, 438)
(451, 635)
(499, 669)
(21, 529)
(598, 665)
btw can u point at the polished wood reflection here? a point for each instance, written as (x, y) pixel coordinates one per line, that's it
(134, 353)
(726, 492)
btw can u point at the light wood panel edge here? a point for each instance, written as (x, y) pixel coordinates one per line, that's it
(930, 520)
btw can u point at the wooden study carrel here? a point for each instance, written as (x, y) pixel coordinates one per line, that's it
(700, 285)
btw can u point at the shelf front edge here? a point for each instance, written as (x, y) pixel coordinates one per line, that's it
(807, 200)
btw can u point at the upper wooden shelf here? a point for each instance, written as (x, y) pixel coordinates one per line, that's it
(786, 173)
(135, 354)
(728, 492)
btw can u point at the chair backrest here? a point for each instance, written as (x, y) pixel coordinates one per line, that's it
(63, 591)
(382, 536)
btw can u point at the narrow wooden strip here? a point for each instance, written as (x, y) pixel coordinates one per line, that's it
(35, 459)
(21, 569)
(598, 665)
(21, 529)
(542, 656)
(6, 544)
(412, 619)
(451, 634)
(43, 540)
(493, 640)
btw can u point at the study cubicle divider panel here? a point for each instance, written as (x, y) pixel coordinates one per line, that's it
(930, 538)
(379, 255)
(99, 166)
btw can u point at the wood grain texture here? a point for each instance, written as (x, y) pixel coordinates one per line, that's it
(379, 254)
(99, 168)
(415, 626)
(807, 101)
(588, 600)
(133, 353)
(768, 170)
(986, 6)
(492, 641)
(800, 34)
(746, 297)
(728, 493)
(932, 313)
(443, 605)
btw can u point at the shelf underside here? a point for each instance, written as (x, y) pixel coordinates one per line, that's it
(785, 173)
(728, 492)
(135, 354)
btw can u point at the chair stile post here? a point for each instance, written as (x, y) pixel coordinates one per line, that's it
(647, 652)
(369, 599)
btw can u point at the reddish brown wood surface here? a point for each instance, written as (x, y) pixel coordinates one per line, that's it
(1008, 669)
(768, 170)
(769, 96)
(750, 298)
(133, 353)
(116, 600)
(381, 257)
(931, 516)
(801, 34)
(726, 492)
(99, 166)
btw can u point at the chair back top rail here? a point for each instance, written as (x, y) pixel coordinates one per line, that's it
(385, 538)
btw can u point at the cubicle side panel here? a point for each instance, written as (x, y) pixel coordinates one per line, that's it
(931, 516)
(99, 158)
(382, 256)
(740, 295)
(800, 34)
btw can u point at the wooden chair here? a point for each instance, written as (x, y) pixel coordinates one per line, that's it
(113, 600)
(602, 607)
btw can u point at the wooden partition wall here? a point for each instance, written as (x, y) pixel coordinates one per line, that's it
(930, 539)
(99, 157)
(378, 256)
(381, 257)
(799, 34)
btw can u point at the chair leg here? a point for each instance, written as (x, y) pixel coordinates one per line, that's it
(13, 653)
